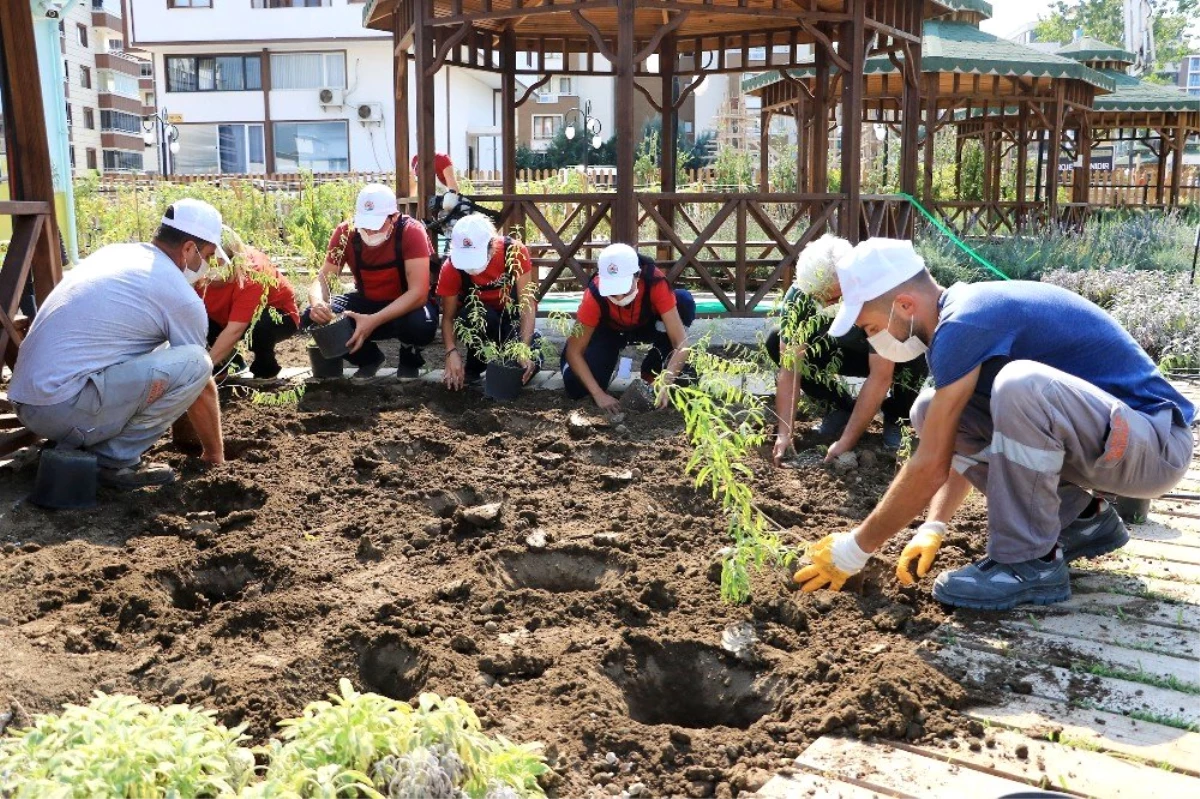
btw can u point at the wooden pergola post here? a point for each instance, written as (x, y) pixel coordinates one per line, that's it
(803, 143)
(1022, 161)
(853, 47)
(1052, 171)
(910, 120)
(669, 166)
(819, 171)
(931, 123)
(625, 210)
(1083, 149)
(764, 152)
(508, 113)
(423, 50)
(1177, 163)
(400, 130)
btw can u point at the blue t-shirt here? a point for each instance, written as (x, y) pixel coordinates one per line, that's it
(997, 322)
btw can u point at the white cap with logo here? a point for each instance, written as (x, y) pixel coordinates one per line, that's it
(469, 243)
(376, 202)
(196, 218)
(872, 269)
(617, 266)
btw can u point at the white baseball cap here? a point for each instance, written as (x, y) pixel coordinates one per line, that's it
(872, 269)
(376, 202)
(617, 266)
(196, 218)
(469, 243)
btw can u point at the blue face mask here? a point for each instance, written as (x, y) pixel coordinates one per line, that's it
(891, 348)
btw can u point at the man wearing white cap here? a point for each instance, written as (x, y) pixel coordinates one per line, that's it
(1041, 401)
(93, 373)
(387, 253)
(629, 301)
(487, 292)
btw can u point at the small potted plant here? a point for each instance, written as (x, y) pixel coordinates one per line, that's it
(505, 371)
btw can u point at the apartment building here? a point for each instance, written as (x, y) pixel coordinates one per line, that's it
(104, 103)
(1189, 74)
(275, 86)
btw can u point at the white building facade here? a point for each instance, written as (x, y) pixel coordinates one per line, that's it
(279, 86)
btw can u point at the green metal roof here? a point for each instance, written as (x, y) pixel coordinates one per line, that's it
(980, 6)
(963, 48)
(1088, 49)
(1136, 95)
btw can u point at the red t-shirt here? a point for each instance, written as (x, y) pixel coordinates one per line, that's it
(414, 244)
(228, 302)
(495, 296)
(441, 162)
(662, 299)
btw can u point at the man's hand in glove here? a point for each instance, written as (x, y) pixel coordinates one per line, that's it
(835, 559)
(921, 551)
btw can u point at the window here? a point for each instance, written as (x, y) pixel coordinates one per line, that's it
(1195, 63)
(1193, 79)
(312, 146)
(70, 121)
(222, 73)
(546, 126)
(189, 3)
(71, 150)
(81, 32)
(66, 70)
(91, 159)
(220, 149)
(289, 3)
(114, 46)
(564, 86)
(85, 77)
(148, 99)
(120, 122)
(122, 160)
(119, 83)
(89, 119)
(62, 29)
(308, 70)
(147, 69)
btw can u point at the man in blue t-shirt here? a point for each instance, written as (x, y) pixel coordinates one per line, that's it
(1040, 399)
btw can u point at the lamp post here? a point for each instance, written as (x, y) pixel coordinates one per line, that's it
(590, 127)
(161, 131)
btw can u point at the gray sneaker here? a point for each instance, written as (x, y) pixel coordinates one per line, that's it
(988, 585)
(1095, 535)
(140, 476)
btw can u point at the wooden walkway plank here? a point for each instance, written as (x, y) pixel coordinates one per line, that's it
(1085, 581)
(987, 668)
(1123, 632)
(804, 785)
(1160, 528)
(1119, 563)
(1161, 550)
(1148, 611)
(902, 771)
(1039, 718)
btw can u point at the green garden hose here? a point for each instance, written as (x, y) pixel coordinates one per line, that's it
(948, 233)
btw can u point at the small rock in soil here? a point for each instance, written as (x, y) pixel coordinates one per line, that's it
(867, 459)
(367, 549)
(536, 539)
(636, 789)
(892, 618)
(611, 758)
(638, 398)
(1022, 751)
(454, 590)
(614, 540)
(845, 462)
(578, 425)
(490, 626)
(483, 515)
(616, 480)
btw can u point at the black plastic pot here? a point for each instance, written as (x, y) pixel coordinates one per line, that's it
(502, 381)
(66, 480)
(332, 338)
(322, 366)
(1131, 510)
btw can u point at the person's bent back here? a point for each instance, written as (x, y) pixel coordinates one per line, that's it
(92, 373)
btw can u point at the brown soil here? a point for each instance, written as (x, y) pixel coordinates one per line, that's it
(338, 542)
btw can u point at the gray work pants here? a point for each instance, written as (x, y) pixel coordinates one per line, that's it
(1043, 441)
(122, 410)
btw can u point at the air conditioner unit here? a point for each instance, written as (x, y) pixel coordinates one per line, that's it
(331, 97)
(370, 112)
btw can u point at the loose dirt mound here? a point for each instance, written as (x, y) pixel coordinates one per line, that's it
(559, 577)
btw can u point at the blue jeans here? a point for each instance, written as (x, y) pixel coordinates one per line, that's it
(604, 350)
(122, 410)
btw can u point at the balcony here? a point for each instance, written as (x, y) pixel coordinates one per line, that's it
(107, 14)
(119, 61)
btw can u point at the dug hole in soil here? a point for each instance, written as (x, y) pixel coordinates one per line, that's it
(560, 578)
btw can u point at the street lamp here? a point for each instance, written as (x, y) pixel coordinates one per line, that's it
(588, 124)
(159, 129)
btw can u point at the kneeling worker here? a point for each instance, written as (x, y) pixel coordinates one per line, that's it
(387, 253)
(486, 288)
(629, 301)
(1042, 399)
(92, 373)
(250, 291)
(813, 361)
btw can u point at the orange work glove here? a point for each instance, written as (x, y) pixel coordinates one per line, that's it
(923, 548)
(835, 559)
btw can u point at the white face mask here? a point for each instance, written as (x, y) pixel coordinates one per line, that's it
(627, 299)
(373, 238)
(194, 274)
(889, 347)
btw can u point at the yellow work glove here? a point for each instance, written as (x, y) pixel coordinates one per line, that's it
(923, 548)
(835, 559)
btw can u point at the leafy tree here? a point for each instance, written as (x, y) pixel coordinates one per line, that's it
(1105, 20)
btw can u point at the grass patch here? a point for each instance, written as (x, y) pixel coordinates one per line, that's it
(1141, 676)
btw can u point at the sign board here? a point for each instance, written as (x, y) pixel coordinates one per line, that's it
(1102, 161)
(175, 119)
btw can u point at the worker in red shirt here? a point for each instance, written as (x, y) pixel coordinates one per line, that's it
(250, 294)
(629, 301)
(496, 272)
(443, 170)
(387, 254)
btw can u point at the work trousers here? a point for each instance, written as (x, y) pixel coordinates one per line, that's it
(604, 350)
(122, 410)
(1044, 440)
(413, 330)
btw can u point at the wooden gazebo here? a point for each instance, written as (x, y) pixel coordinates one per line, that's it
(1008, 95)
(33, 247)
(673, 45)
(1160, 117)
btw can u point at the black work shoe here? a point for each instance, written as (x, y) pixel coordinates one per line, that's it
(1094, 535)
(893, 436)
(372, 368)
(140, 476)
(834, 423)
